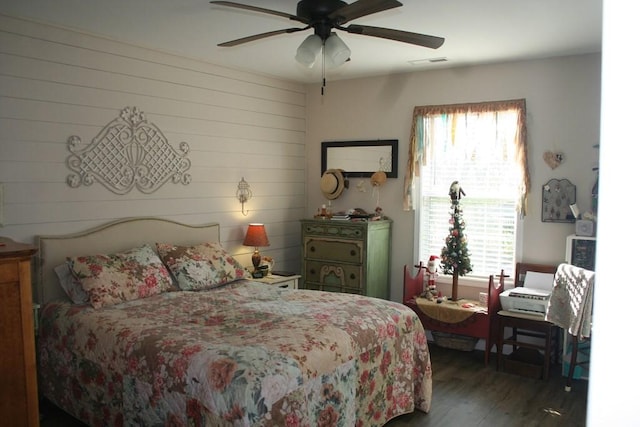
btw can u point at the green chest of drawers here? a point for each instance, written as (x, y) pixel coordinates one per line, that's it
(346, 256)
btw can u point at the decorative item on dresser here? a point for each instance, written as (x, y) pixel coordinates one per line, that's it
(18, 387)
(346, 256)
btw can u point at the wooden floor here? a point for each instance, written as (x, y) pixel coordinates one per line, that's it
(466, 393)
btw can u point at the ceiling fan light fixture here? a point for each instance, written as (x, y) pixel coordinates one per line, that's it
(336, 52)
(308, 50)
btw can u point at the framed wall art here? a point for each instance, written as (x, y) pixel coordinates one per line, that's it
(129, 152)
(557, 197)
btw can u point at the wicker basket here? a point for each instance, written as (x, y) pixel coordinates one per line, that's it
(453, 341)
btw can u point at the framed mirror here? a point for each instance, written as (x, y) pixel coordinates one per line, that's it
(361, 158)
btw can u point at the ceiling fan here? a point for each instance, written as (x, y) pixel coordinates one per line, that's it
(326, 15)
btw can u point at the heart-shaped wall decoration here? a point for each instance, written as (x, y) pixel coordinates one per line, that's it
(553, 159)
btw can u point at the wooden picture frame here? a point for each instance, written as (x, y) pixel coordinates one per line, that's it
(361, 158)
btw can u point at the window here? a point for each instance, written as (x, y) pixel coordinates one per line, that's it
(483, 147)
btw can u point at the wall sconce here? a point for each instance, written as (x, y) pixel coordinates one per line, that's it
(243, 194)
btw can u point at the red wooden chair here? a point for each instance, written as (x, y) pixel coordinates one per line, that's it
(413, 285)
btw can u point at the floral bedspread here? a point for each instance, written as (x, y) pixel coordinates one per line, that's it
(243, 354)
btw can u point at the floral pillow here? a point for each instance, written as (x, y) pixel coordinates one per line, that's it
(112, 279)
(202, 266)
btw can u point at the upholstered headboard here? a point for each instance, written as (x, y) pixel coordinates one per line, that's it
(112, 237)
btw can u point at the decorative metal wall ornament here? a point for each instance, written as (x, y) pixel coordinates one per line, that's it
(557, 198)
(129, 152)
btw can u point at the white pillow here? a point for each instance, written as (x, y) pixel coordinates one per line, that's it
(72, 286)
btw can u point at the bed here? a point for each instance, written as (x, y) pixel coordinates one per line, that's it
(221, 351)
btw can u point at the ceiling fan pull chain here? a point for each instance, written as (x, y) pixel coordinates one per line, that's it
(324, 80)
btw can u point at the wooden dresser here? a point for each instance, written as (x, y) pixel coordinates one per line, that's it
(346, 256)
(18, 377)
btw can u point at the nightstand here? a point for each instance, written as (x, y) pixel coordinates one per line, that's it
(280, 281)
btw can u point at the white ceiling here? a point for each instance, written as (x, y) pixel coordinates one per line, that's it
(475, 31)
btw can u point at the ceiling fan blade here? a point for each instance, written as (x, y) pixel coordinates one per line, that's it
(432, 42)
(260, 9)
(260, 36)
(361, 8)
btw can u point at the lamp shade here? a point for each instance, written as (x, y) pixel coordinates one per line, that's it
(336, 51)
(256, 236)
(308, 50)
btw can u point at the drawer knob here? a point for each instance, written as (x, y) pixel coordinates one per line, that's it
(312, 271)
(353, 253)
(353, 276)
(312, 248)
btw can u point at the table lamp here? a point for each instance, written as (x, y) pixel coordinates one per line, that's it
(256, 236)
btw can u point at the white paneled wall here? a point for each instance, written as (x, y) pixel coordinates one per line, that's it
(55, 83)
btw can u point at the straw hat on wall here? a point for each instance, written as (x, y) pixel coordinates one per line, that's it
(378, 179)
(332, 183)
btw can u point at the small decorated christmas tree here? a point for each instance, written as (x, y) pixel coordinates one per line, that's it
(455, 255)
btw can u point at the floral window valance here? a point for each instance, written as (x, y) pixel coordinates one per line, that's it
(418, 151)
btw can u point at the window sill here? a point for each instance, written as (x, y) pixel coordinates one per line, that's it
(471, 282)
